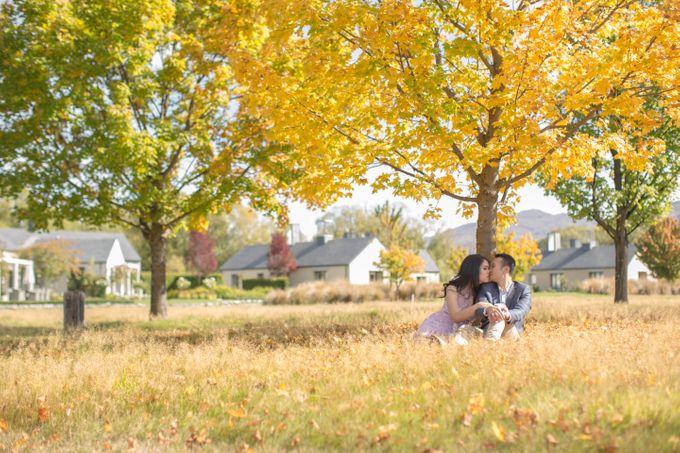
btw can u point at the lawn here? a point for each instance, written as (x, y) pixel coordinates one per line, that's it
(588, 375)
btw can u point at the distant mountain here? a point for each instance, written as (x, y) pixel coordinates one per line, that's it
(533, 221)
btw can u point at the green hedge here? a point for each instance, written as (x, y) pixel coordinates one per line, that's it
(250, 283)
(221, 292)
(196, 293)
(227, 292)
(172, 277)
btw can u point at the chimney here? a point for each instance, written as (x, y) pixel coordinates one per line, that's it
(589, 245)
(323, 239)
(293, 233)
(554, 242)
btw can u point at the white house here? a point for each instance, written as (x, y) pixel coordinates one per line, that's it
(351, 258)
(431, 272)
(561, 268)
(109, 255)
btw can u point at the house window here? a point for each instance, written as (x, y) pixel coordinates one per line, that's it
(260, 275)
(421, 279)
(642, 275)
(319, 275)
(235, 281)
(556, 281)
(375, 276)
(596, 274)
(532, 279)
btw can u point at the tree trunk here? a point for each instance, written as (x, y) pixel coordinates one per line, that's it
(487, 216)
(157, 242)
(621, 268)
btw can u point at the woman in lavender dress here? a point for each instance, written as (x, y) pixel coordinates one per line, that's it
(459, 297)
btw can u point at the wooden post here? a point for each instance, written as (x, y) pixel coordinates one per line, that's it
(74, 310)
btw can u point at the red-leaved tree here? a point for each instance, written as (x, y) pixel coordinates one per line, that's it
(659, 249)
(200, 253)
(280, 259)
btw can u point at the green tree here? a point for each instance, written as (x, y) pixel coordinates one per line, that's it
(621, 199)
(51, 260)
(389, 222)
(659, 249)
(234, 230)
(118, 112)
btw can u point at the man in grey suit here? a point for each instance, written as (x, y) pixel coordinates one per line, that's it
(511, 301)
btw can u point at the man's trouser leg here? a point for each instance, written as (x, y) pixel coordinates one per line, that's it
(497, 330)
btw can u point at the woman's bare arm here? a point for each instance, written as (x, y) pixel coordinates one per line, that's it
(458, 315)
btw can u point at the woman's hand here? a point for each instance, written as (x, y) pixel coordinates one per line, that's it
(483, 304)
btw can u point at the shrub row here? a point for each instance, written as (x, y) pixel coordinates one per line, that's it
(250, 283)
(218, 292)
(172, 278)
(341, 291)
(647, 287)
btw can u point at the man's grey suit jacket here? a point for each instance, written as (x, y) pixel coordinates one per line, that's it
(518, 302)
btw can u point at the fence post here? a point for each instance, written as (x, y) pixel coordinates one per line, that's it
(74, 310)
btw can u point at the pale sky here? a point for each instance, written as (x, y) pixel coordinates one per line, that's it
(531, 197)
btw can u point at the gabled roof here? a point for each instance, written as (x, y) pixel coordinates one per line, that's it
(337, 252)
(87, 250)
(430, 265)
(13, 239)
(129, 252)
(601, 257)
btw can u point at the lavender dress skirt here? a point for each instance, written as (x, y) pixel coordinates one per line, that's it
(440, 323)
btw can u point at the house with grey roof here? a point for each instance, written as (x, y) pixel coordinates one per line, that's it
(106, 254)
(566, 268)
(430, 273)
(351, 258)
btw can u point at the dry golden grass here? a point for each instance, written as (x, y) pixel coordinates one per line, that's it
(588, 375)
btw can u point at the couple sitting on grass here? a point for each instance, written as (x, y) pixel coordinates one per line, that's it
(482, 300)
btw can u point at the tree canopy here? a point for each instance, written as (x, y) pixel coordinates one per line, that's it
(463, 99)
(121, 112)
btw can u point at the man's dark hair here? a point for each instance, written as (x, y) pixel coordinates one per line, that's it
(507, 261)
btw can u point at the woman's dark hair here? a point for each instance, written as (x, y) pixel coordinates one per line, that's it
(467, 274)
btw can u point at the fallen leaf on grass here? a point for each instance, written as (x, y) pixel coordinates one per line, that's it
(498, 431)
(43, 414)
(295, 442)
(4, 426)
(197, 439)
(551, 441)
(674, 441)
(236, 413)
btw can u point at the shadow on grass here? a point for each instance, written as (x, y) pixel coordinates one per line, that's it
(265, 334)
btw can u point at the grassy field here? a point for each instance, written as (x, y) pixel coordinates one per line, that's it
(588, 375)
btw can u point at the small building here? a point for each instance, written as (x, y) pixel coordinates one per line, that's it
(106, 254)
(431, 272)
(566, 268)
(350, 258)
(324, 258)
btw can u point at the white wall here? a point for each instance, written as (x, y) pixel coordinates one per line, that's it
(364, 263)
(635, 267)
(115, 258)
(430, 277)
(306, 274)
